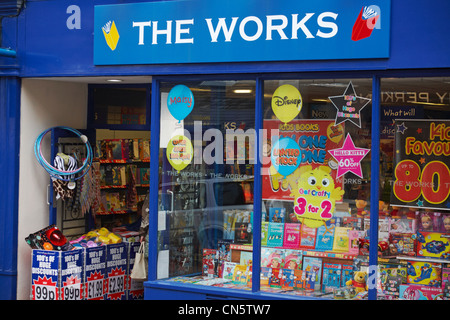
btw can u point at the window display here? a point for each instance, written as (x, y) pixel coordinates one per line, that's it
(315, 143)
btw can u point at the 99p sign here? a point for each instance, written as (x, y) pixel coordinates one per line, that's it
(421, 172)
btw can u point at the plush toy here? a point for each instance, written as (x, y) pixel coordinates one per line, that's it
(395, 213)
(359, 281)
(383, 211)
(361, 208)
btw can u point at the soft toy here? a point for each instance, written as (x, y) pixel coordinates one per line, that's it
(383, 211)
(361, 208)
(358, 282)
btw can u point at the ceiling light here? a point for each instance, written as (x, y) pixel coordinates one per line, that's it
(114, 80)
(242, 91)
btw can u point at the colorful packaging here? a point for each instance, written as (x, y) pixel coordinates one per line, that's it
(307, 237)
(325, 236)
(291, 235)
(418, 292)
(402, 244)
(424, 273)
(331, 276)
(433, 244)
(275, 234)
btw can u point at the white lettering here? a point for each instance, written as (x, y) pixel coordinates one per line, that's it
(278, 28)
(228, 32)
(258, 32)
(141, 26)
(167, 32)
(301, 25)
(179, 31)
(327, 24)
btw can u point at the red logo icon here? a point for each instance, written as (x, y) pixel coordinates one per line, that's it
(367, 20)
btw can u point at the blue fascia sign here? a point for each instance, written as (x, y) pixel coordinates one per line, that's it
(209, 31)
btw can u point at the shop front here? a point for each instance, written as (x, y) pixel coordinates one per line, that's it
(291, 150)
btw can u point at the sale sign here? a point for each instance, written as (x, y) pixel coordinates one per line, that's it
(421, 165)
(45, 275)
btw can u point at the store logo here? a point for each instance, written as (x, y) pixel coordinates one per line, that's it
(368, 19)
(111, 34)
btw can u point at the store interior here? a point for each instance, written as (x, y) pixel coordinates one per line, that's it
(198, 200)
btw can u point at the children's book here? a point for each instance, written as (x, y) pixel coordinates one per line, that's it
(325, 236)
(240, 275)
(275, 234)
(307, 237)
(272, 258)
(246, 258)
(293, 259)
(277, 214)
(291, 235)
(228, 270)
(341, 241)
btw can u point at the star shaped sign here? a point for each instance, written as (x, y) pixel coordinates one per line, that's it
(349, 106)
(349, 157)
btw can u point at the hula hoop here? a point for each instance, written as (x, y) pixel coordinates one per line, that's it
(57, 173)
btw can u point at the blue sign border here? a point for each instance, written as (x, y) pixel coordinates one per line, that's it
(285, 30)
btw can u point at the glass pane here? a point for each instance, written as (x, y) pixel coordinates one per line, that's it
(206, 182)
(316, 184)
(120, 106)
(415, 184)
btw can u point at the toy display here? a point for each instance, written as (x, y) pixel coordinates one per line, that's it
(359, 281)
(49, 238)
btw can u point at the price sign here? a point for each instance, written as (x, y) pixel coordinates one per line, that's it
(45, 290)
(95, 273)
(421, 167)
(116, 266)
(94, 288)
(44, 275)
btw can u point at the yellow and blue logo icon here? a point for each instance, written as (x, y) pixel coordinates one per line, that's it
(111, 34)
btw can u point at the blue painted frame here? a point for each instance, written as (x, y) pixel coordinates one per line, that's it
(192, 291)
(9, 197)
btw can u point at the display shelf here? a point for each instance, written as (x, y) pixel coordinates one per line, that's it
(423, 259)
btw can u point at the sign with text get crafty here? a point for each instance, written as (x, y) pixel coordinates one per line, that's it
(197, 31)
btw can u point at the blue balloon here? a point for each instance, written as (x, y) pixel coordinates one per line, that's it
(285, 156)
(180, 102)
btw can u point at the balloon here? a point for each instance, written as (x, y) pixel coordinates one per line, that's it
(285, 156)
(286, 102)
(180, 102)
(179, 152)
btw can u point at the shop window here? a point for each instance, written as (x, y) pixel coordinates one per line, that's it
(315, 183)
(206, 181)
(120, 107)
(415, 180)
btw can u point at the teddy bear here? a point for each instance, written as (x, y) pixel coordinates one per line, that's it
(361, 208)
(358, 282)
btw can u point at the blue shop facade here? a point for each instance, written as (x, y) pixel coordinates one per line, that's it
(285, 150)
